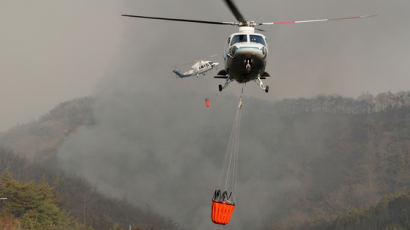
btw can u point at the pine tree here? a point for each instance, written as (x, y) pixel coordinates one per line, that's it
(35, 205)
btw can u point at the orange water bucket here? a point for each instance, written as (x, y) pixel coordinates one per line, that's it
(221, 212)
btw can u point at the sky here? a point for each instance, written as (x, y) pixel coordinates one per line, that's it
(55, 51)
(51, 52)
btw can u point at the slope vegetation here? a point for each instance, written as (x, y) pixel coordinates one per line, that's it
(391, 213)
(70, 203)
(303, 160)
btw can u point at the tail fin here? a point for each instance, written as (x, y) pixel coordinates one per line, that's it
(180, 74)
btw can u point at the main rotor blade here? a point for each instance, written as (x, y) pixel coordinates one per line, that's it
(317, 20)
(181, 20)
(235, 11)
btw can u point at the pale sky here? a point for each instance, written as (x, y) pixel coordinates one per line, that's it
(52, 51)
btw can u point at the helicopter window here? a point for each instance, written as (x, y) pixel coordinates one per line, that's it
(239, 38)
(257, 39)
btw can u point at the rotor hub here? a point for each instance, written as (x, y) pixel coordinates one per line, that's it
(248, 24)
(247, 29)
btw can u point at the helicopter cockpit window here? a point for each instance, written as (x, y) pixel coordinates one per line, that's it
(257, 39)
(239, 38)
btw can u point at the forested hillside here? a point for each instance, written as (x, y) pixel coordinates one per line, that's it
(68, 202)
(32, 206)
(314, 159)
(39, 140)
(391, 213)
(338, 162)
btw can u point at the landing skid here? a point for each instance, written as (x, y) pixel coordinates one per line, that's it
(262, 86)
(228, 80)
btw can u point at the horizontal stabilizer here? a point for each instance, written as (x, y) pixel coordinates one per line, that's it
(180, 74)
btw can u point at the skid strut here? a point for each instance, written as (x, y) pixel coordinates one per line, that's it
(261, 85)
(228, 80)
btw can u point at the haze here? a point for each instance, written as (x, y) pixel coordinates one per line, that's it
(156, 145)
(51, 51)
(54, 51)
(148, 120)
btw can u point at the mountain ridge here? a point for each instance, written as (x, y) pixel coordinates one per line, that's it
(335, 156)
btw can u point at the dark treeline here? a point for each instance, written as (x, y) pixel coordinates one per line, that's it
(391, 213)
(366, 103)
(81, 200)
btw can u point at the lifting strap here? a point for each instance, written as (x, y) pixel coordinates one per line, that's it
(228, 178)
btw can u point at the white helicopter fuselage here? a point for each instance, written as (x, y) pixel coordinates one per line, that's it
(245, 55)
(200, 67)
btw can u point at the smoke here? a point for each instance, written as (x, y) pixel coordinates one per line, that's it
(167, 154)
(157, 152)
(157, 145)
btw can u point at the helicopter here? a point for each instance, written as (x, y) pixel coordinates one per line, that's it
(245, 51)
(199, 67)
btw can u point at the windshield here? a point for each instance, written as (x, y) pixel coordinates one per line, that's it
(257, 39)
(239, 38)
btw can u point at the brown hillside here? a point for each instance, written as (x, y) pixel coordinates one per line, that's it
(330, 154)
(40, 139)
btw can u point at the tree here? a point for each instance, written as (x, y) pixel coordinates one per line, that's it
(35, 205)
